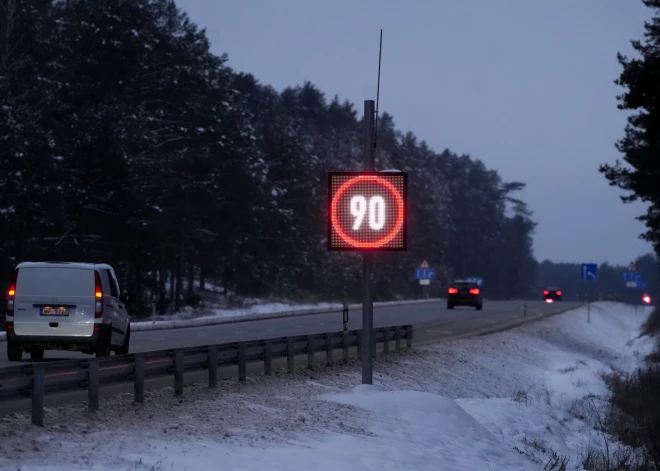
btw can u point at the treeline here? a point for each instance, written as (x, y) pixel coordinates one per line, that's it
(567, 276)
(123, 139)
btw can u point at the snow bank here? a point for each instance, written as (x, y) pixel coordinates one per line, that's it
(504, 401)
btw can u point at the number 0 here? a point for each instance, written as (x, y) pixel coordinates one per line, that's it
(376, 212)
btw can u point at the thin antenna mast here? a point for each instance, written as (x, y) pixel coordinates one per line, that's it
(380, 55)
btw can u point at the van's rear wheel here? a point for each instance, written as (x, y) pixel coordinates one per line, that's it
(103, 346)
(37, 354)
(127, 339)
(14, 352)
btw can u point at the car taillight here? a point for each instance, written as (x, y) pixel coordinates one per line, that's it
(453, 291)
(558, 293)
(647, 299)
(546, 292)
(98, 293)
(474, 291)
(11, 293)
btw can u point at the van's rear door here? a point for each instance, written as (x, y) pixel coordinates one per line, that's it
(54, 301)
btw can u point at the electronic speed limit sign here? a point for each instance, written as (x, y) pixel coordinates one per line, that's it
(367, 211)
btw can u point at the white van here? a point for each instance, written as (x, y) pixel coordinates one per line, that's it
(66, 306)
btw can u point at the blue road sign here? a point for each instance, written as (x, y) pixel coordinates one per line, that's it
(425, 273)
(642, 284)
(589, 271)
(631, 276)
(476, 279)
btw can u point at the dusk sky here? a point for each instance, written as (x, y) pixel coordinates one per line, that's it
(526, 86)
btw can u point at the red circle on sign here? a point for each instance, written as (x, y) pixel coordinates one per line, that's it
(382, 241)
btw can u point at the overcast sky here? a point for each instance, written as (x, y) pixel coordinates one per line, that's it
(524, 85)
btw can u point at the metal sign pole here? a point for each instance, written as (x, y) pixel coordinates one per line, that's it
(367, 301)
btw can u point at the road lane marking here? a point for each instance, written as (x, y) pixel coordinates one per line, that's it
(440, 331)
(159, 338)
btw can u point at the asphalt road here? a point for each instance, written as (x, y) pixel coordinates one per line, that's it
(431, 320)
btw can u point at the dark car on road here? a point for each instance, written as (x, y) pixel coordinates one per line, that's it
(551, 294)
(464, 293)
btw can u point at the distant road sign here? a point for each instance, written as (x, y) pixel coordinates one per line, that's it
(632, 267)
(425, 273)
(424, 282)
(632, 276)
(425, 264)
(476, 279)
(589, 271)
(639, 284)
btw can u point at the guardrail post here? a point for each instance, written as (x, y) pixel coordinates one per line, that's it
(178, 373)
(268, 358)
(374, 337)
(397, 337)
(386, 340)
(359, 344)
(344, 344)
(409, 336)
(38, 391)
(310, 352)
(138, 380)
(213, 367)
(328, 349)
(242, 365)
(290, 357)
(93, 386)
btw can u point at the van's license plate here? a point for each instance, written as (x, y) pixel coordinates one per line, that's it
(54, 311)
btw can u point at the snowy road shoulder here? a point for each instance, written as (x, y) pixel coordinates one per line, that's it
(511, 400)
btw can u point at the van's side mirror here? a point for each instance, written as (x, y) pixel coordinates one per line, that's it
(128, 298)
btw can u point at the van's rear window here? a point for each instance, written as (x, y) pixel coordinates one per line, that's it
(55, 282)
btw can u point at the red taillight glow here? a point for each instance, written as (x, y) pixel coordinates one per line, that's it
(474, 291)
(11, 293)
(546, 292)
(558, 293)
(647, 299)
(98, 309)
(453, 291)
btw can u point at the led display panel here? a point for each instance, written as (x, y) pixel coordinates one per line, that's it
(367, 211)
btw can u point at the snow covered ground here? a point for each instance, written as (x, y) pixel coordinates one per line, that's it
(508, 401)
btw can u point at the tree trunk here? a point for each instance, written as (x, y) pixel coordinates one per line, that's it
(191, 277)
(202, 275)
(180, 266)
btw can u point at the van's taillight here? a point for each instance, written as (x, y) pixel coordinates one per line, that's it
(474, 291)
(98, 292)
(11, 293)
(546, 292)
(453, 291)
(558, 293)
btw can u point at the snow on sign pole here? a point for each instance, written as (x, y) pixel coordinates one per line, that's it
(367, 212)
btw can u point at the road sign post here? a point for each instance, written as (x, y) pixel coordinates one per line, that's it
(368, 302)
(367, 212)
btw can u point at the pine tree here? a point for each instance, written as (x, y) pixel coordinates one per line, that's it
(641, 144)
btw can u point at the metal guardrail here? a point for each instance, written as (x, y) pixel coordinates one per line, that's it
(37, 380)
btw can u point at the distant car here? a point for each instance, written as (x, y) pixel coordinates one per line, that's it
(551, 294)
(464, 293)
(610, 295)
(646, 299)
(66, 306)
